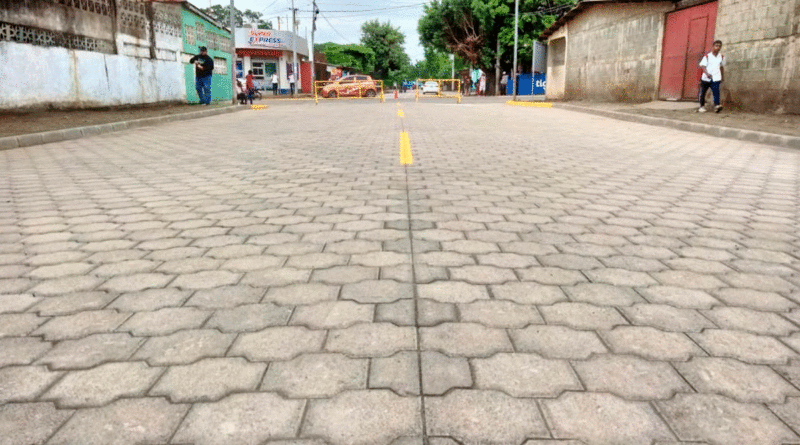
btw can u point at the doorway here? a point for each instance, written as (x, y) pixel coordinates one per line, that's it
(688, 36)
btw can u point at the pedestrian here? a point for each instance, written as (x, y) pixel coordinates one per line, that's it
(274, 84)
(251, 86)
(240, 92)
(713, 66)
(203, 69)
(482, 85)
(291, 83)
(503, 83)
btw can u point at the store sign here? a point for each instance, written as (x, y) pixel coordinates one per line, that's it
(265, 38)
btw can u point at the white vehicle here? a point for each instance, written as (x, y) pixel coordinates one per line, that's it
(430, 87)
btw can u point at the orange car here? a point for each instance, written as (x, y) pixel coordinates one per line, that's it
(351, 86)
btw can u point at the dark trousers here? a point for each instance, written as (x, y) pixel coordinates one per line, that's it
(203, 87)
(250, 93)
(291, 87)
(274, 89)
(704, 86)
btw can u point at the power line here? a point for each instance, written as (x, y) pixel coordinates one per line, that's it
(373, 9)
(334, 29)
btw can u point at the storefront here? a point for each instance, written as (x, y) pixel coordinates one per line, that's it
(266, 51)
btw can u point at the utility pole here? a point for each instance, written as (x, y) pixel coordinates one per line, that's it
(294, 46)
(314, 12)
(233, 55)
(453, 66)
(516, 30)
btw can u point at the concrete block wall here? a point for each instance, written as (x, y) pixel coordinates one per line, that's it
(762, 50)
(614, 52)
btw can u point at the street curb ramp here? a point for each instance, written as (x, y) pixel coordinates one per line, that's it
(29, 140)
(712, 130)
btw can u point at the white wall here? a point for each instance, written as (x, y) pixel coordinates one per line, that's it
(40, 76)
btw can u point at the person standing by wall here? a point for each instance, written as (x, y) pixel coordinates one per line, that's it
(713, 66)
(203, 69)
(274, 84)
(291, 83)
(251, 86)
(503, 83)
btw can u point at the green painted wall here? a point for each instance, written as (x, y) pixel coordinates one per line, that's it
(220, 83)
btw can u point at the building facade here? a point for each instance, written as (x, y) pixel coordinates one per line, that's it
(267, 51)
(198, 29)
(615, 50)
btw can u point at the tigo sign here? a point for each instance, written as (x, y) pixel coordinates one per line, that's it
(262, 37)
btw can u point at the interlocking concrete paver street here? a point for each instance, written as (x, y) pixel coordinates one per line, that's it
(536, 276)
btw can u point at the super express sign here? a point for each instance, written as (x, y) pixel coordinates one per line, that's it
(265, 38)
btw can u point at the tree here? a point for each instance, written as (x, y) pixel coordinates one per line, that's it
(222, 14)
(475, 29)
(386, 42)
(358, 57)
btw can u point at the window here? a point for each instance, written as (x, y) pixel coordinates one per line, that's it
(258, 70)
(362, 78)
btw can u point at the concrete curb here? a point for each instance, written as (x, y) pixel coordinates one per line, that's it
(28, 140)
(712, 130)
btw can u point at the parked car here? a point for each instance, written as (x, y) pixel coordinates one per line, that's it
(430, 87)
(351, 86)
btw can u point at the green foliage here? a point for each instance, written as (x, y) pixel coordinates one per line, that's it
(386, 42)
(358, 57)
(222, 14)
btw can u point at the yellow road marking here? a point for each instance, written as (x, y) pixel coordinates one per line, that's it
(530, 104)
(258, 107)
(405, 149)
(400, 113)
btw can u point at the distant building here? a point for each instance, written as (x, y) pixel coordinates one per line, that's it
(77, 54)
(616, 50)
(267, 51)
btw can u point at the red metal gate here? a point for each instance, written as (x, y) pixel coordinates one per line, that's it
(688, 35)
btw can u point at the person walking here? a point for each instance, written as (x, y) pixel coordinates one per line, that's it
(291, 83)
(713, 66)
(482, 85)
(503, 83)
(203, 69)
(251, 86)
(274, 84)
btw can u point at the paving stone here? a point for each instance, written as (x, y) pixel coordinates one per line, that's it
(525, 248)
(603, 294)
(476, 417)
(103, 384)
(667, 318)
(679, 297)
(401, 313)
(188, 265)
(743, 319)
(60, 286)
(557, 342)
(630, 377)
(753, 299)
(620, 277)
(587, 417)
(464, 339)
(452, 292)
(743, 346)
(524, 375)
(399, 373)
(431, 313)
(24, 383)
(582, 316)
(60, 270)
(149, 300)
(30, 423)
(441, 373)
(332, 314)
(297, 294)
(482, 274)
(248, 418)
(633, 263)
(651, 343)
(362, 418)
(470, 247)
(445, 259)
(71, 303)
(174, 253)
(208, 379)
(528, 293)
(249, 317)
(371, 340)
(91, 351)
(551, 276)
(316, 261)
(716, 419)
(81, 324)
(225, 297)
(352, 247)
(184, 347)
(316, 376)
(686, 279)
(10, 303)
(499, 314)
(276, 277)
(277, 343)
(569, 261)
(206, 280)
(165, 321)
(736, 380)
(789, 412)
(125, 268)
(137, 282)
(380, 259)
(345, 274)
(17, 325)
(765, 283)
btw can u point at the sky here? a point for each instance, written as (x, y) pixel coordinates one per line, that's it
(344, 17)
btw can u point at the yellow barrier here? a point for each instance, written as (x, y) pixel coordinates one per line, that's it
(349, 89)
(453, 86)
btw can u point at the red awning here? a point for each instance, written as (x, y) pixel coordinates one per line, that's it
(254, 52)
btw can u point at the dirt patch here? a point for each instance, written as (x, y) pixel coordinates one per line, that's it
(13, 124)
(787, 124)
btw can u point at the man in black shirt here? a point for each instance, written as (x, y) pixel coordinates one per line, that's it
(203, 68)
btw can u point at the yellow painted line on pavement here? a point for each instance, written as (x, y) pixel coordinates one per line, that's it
(258, 107)
(530, 104)
(405, 149)
(400, 113)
